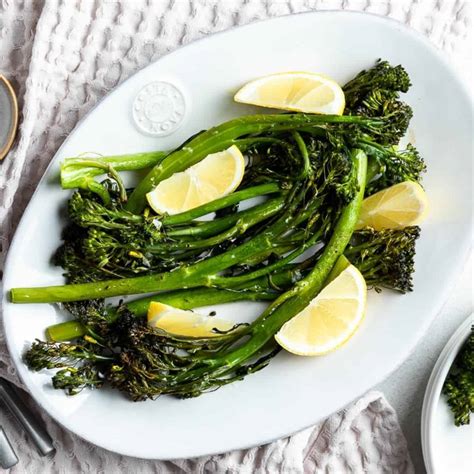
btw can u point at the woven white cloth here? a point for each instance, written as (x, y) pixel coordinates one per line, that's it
(62, 57)
(363, 438)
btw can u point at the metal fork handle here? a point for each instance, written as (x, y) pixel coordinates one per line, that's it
(8, 457)
(37, 432)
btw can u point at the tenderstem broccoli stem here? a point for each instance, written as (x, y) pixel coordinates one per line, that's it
(260, 289)
(283, 245)
(311, 285)
(262, 330)
(229, 281)
(221, 203)
(199, 274)
(112, 172)
(198, 297)
(65, 331)
(304, 153)
(213, 227)
(76, 172)
(182, 299)
(223, 136)
(372, 169)
(248, 219)
(295, 300)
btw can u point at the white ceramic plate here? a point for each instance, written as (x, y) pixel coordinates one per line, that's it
(446, 447)
(293, 392)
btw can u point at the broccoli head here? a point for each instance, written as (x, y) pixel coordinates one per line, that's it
(385, 258)
(375, 93)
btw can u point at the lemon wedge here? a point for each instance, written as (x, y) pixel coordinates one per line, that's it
(396, 207)
(213, 177)
(296, 91)
(330, 319)
(184, 323)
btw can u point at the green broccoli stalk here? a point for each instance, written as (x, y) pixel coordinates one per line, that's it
(222, 136)
(80, 172)
(309, 173)
(311, 207)
(372, 93)
(385, 259)
(151, 362)
(202, 273)
(390, 166)
(88, 321)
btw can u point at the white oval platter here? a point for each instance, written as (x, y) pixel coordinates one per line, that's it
(292, 393)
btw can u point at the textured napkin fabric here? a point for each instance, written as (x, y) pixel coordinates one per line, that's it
(363, 438)
(62, 57)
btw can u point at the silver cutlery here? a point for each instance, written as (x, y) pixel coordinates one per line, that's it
(8, 457)
(35, 430)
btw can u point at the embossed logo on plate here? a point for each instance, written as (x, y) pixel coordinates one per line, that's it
(159, 108)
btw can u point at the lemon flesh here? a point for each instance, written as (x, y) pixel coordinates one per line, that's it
(330, 319)
(296, 91)
(213, 177)
(396, 207)
(184, 323)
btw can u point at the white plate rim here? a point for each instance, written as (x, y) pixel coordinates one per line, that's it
(427, 322)
(435, 385)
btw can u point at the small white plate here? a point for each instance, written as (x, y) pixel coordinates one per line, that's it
(447, 448)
